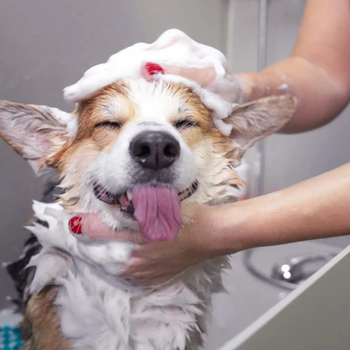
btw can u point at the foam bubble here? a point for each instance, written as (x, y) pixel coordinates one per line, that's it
(172, 48)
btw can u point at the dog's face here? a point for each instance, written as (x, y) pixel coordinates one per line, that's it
(138, 133)
(139, 139)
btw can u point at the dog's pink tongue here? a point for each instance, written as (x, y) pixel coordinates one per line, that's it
(157, 210)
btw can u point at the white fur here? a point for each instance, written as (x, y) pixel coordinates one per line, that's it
(116, 170)
(100, 311)
(97, 309)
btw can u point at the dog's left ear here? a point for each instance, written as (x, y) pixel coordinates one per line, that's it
(256, 120)
(35, 132)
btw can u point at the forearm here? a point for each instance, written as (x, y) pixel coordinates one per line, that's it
(318, 71)
(320, 97)
(316, 208)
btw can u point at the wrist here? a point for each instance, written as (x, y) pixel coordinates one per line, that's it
(255, 85)
(229, 225)
(246, 85)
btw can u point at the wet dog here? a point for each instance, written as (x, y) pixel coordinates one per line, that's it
(141, 149)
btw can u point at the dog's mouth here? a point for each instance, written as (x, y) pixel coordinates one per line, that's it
(124, 200)
(155, 207)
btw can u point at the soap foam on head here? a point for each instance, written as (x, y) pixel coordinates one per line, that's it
(172, 48)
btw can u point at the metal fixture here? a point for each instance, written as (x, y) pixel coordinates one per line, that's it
(261, 64)
(288, 273)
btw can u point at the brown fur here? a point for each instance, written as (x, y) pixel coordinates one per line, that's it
(200, 114)
(41, 329)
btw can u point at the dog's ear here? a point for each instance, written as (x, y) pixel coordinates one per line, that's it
(256, 120)
(35, 132)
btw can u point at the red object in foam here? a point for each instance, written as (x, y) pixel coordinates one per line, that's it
(75, 224)
(153, 68)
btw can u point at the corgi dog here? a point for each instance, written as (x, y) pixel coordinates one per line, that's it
(140, 150)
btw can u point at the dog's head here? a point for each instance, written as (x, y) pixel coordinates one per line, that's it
(140, 149)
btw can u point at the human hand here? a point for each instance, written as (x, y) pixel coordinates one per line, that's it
(230, 87)
(154, 263)
(173, 53)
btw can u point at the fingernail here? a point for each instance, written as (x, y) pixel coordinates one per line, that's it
(75, 224)
(153, 68)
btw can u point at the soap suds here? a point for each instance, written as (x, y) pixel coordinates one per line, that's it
(284, 87)
(172, 48)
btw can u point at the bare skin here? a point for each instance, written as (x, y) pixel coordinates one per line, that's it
(318, 71)
(318, 74)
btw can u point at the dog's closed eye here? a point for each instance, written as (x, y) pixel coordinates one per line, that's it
(109, 124)
(184, 124)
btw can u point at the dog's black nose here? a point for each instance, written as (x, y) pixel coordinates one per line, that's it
(155, 149)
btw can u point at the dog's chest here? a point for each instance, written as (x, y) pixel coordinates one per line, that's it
(95, 314)
(98, 310)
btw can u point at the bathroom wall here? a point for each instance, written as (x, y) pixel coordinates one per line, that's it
(47, 45)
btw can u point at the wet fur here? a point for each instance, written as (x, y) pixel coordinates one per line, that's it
(41, 327)
(186, 298)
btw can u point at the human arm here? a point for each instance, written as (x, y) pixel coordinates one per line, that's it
(316, 208)
(312, 209)
(318, 71)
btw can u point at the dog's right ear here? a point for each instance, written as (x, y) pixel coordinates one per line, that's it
(35, 132)
(256, 120)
